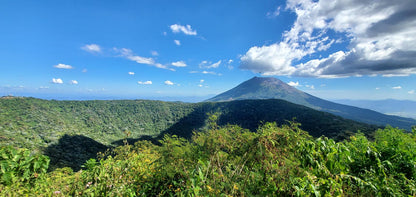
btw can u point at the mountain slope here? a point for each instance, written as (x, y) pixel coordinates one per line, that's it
(272, 88)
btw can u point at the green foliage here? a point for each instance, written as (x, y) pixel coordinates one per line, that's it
(232, 161)
(17, 165)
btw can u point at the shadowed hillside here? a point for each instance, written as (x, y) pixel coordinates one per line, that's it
(72, 131)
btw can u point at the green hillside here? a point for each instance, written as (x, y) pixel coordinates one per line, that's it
(70, 132)
(30, 122)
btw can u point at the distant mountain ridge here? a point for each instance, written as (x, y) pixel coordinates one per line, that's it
(404, 108)
(273, 88)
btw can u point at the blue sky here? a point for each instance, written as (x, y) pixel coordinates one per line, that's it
(192, 50)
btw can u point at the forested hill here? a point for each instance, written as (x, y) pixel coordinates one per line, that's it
(73, 131)
(30, 121)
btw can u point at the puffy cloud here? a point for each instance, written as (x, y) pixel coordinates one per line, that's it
(167, 82)
(294, 84)
(63, 66)
(201, 81)
(397, 87)
(200, 85)
(411, 92)
(144, 82)
(177, 42)
(380, 35)
(184, 29)
(179, 64)
(92, 48)
(74, 82)
(131, 73)
(57, 81)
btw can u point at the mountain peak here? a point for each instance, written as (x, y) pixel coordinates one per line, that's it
(262, 88)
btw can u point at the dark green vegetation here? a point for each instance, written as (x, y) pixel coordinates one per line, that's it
(70, 132)
(229, 161)
(272, 88)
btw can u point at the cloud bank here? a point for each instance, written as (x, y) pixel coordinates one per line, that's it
(378, 38)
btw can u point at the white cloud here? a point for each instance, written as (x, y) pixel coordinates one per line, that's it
(209, 72)
(200, 85)
(63, 66)
(169, 83)
(57, 81)
(294, 84)
(179, 64)
(131, 73)
(177, 42)
(201, 81)
(380, 35)
(74, 82)
(184, 29)
(397, 87)
(44, 87)
(215, 65)
(144, 82)
(275, 13)
(377, 88)
(205, 72)
(128, 54)
(209, 65)
(84, 70)
(92, 48)
(411, 92)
